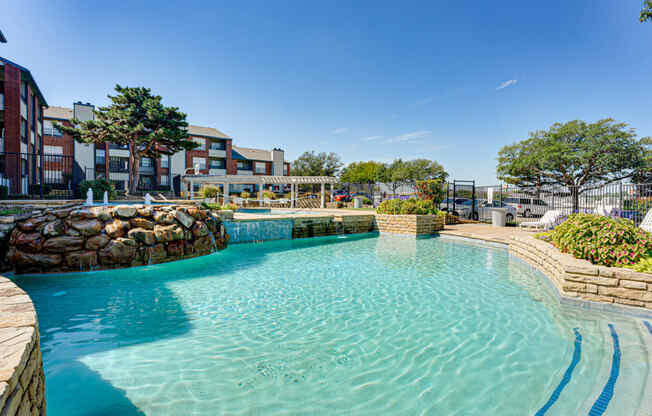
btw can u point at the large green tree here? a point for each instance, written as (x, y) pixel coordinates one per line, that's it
(361, 172)
(138, 119)
(576, 154)
(316, 164)
(646, 12)
(401, 172)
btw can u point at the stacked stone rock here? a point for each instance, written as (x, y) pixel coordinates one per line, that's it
(80, 238)
(577, 278)
(314, 226)
(22, 383)
(409, 224)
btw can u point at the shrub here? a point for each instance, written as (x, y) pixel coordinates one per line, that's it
(98, 186)
(603, 241)
(340, 204)
(231, 207)
(36, 189)
(4, 192)
(244, 194)
(269, 195)
(431, 189)
(411, 206)
(644, 265)
(210, 192)
(366, 201)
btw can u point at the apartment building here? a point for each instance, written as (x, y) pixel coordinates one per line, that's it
(21, 128)
(214, 155)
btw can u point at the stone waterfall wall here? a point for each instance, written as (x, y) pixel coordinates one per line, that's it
(81, 238)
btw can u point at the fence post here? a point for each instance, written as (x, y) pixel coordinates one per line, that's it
(620, 198)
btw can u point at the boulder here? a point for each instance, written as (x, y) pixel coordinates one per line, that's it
(141, 223)
(81, 259)
(116, 228)
(203, 245)
(63, 244)
(102, 213)
(31, 242)
(185, 219)
(145, 211)
(82, 214)
(175, 249)
(125, 211)
(199, 229)
(61, 213)
(197, 213)
(142, 235)
(87, 227)
(158, 253)
(32, 224)
(98, 241)
(22, 260)
(53, 229)
(164, 218)
(165, 233)
(117, 252)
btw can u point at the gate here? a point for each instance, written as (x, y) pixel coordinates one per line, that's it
(36, 176)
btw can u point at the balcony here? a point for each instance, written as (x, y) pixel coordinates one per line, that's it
(218, 172)
(245, 172)
(146, 170)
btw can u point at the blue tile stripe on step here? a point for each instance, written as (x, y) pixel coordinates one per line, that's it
(648, 325)
(600, 405)
(567, 375)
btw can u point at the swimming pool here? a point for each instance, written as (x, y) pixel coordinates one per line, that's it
(268, 211)
(382, 325)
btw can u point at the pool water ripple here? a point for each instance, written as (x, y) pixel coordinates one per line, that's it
(382, 325)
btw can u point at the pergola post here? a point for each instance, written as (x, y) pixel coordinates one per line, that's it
(332, 185)
(226, 193)
(323, 195)
(291, 195)
(192, 190)
(260, 195)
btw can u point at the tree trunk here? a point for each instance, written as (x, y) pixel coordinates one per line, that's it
(134, 175)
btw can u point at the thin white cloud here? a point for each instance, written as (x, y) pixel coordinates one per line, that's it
(410, 136)
(340, 130)
(506, 84)
(371, 138)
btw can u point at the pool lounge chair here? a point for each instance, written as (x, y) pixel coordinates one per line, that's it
(547, 222)
(646, 224)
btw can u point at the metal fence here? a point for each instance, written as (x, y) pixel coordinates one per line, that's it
(626, 200)
(32, 175)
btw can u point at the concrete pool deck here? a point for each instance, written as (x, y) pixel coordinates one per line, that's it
(484, 232)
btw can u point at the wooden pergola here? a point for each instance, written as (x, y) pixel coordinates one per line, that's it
(293, 181)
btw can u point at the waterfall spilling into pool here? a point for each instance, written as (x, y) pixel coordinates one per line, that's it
(251, 231)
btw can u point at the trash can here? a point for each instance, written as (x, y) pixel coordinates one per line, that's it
(357, 202)
(498, 216)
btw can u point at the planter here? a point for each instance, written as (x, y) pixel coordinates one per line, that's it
(576, 278)
(409, 224)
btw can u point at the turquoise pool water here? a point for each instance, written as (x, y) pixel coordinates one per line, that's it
(265, 211)
(364, 325)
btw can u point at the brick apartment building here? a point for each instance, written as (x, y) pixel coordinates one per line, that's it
(21, 128)
(215, 155)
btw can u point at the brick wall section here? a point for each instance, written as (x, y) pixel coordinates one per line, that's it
(409, 224)
(580, 279)
(22, 382)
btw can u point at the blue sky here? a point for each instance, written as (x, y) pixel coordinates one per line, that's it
(451, 81)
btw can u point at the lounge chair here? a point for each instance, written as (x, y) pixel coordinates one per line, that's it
(605, 210)
(646, 224)
(547, 222)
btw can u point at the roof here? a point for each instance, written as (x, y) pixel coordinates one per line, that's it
(59, 113)
(253, 154)
(28, 76)
(206, 132)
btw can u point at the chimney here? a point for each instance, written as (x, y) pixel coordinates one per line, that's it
(278, 159)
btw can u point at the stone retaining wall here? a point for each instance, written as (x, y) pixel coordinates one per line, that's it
(313, 226)
(409, 224)
(22, 382)
(580, 279)
(81, 238)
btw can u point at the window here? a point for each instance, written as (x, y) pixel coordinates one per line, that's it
(286, 170)
(118, 146)
(201, 161)
(261, 167)
(165, 162)
(23, 130)
(50, 130)
(216, 163)
(100, 157)
(244, 164)
(217, 145)
(164, 180)
(118, 164)
(201, 142)
(23, 90)
(146, 162)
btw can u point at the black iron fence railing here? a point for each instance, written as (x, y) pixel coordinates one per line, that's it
(32, 175)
